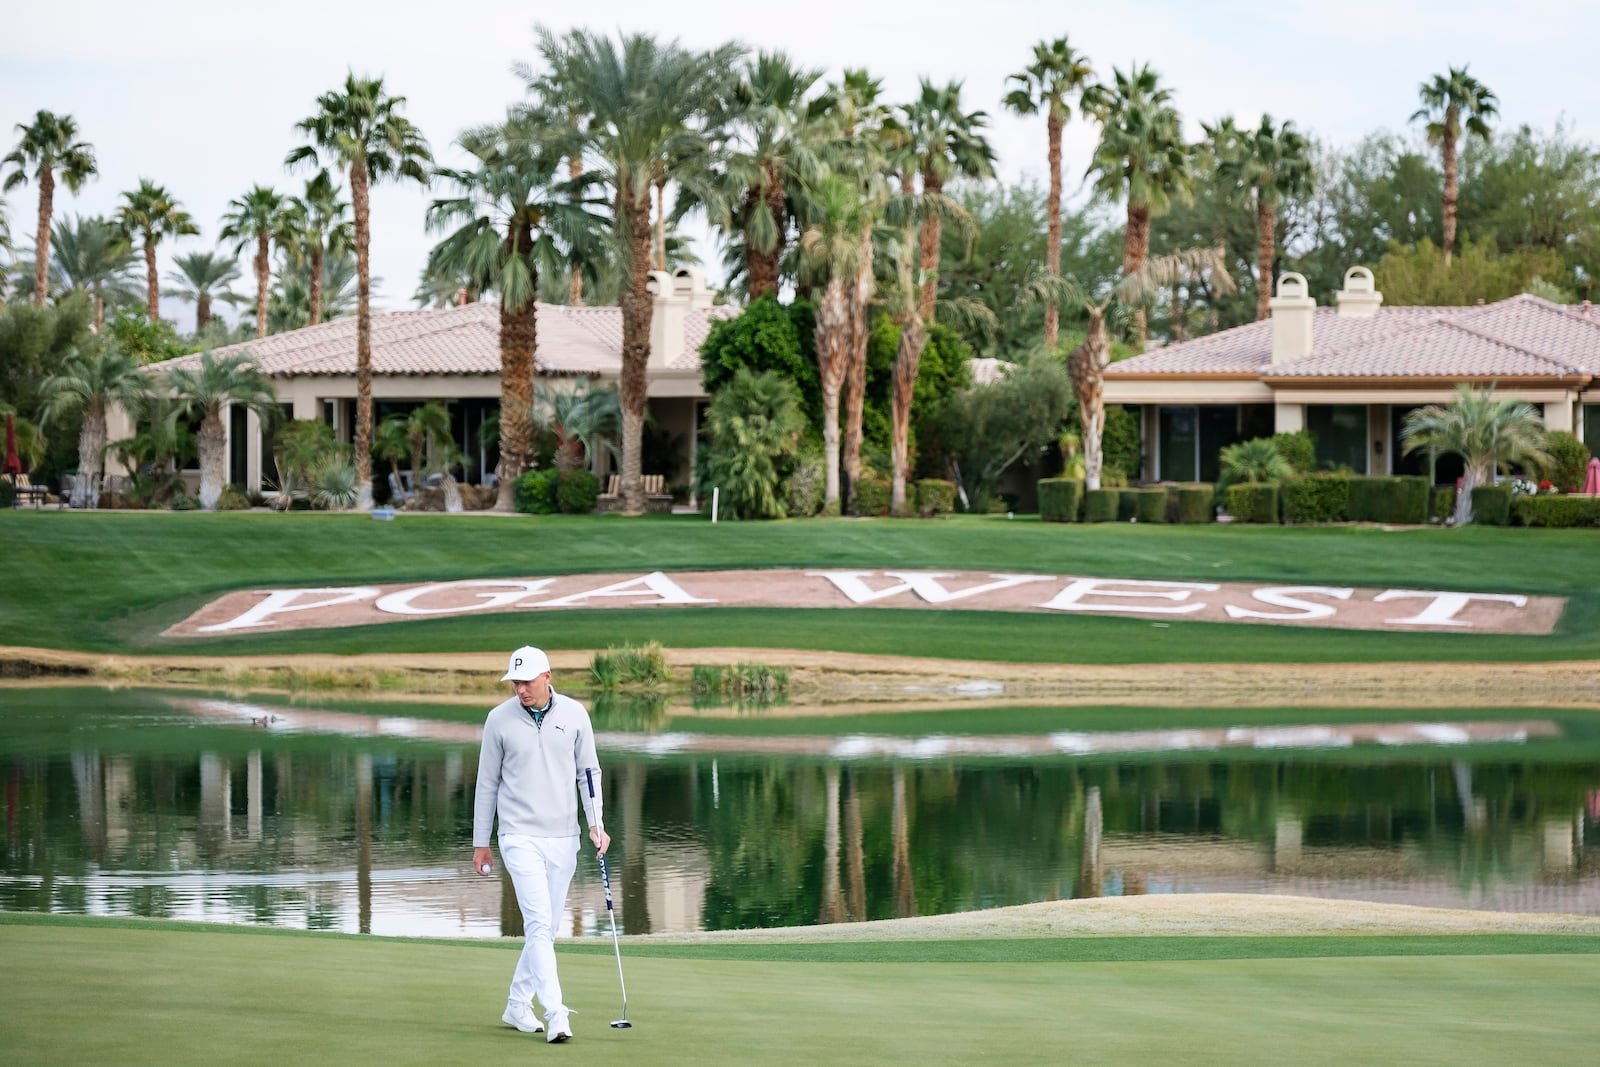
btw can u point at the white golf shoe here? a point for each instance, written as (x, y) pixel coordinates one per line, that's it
(522, 1017)
(559, 1029)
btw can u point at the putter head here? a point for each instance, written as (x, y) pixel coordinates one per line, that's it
(622, 1024)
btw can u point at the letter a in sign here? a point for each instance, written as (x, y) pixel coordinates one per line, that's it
(655, 584)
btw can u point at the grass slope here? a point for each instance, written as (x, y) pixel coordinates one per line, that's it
(98, 992)
(112, 581)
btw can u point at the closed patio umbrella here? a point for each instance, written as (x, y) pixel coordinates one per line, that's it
(1591, 484)
(13, 460)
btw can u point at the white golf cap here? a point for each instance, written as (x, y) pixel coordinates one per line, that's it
(527, 663)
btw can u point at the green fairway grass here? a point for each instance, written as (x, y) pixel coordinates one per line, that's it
(113, 581)
(87, 991)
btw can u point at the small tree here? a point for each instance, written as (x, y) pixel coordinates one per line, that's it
(1485, 430)
(753, 427)
(1256, 461)
(989, 427)
(89, 384)
(207, 389)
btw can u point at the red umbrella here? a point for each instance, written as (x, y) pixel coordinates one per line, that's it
(1591, 484)
(13, 460)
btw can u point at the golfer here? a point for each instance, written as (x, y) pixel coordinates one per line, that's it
(538, 747)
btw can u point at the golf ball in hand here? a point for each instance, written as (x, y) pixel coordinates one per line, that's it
(484, 868)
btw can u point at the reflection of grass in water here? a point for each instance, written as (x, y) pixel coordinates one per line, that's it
(629, 712)
(756, 684)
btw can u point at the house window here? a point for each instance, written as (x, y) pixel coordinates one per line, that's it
(1190, 439)
(1591, 427)
(1179, 443)
(238, 444)
(1340, 431)
(1446, 468)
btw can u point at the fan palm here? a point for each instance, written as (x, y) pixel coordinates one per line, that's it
(289, 303)
(1058, 72)
(89, 384)
(320, 224)
(202, 277)
(262, 215)
(510, 213)
(586, 422)
(361, 128)
(151, 213)
(1446, 100)
(1485, 430)
(1140, 158)
(644, 100)
(1273, 162)
(91, 255)
(49, 145)
(1256, 460)
(207, 389)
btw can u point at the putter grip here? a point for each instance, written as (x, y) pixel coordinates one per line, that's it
(605, 880)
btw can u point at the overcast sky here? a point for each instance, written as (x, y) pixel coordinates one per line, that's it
(203, 97)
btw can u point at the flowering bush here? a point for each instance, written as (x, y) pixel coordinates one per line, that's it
(1523, 487)
(1547, 487)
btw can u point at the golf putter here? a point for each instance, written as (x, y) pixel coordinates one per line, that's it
(605, 880)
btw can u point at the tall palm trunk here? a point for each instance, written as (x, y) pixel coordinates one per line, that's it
(91, 452)
(661, 224)
(202, 311)
(152, 292)
(363, 220)
(99, 306)
(1085, 365)
(1135, 250)
(263, 276)
(932, 234)
(636, 313)
(519, 339)
(833, 354)
(1052, 248)
(761, 265)
(859, 298)
(575, 281)
(41, 243)
(913, 336)
(212, 444)
(1447, 146)
(316, 282)
(1266, 252)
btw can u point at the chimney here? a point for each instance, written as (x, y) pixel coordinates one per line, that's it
(1292, 310)
(461, 298)
(1359, 299)
(690, 284)
(668, 313)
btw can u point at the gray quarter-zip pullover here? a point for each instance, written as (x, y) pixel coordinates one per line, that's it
(527, 772)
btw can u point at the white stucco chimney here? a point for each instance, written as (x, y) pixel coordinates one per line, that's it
(1292, 311)
(1359, 299)
(690, 285)
(667, 315)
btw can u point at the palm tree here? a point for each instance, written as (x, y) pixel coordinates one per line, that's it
(1141, 158)
(942, 142)
(1273, 162)
(644, 99)
(49, 145)
(1057, 73)
(1485, 430)
(586, 423)
(1445, 100)
(289, 303)
(202, 277)
(151, 213)
(510, 212)
(90, 383)
(320, 224)
(362, 129)
(207, 389)
(262, 215)
(91, 255)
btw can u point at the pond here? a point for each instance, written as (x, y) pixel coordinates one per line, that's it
(357, 817)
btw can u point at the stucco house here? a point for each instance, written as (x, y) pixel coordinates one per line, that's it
(1351, 372)
(453, 354)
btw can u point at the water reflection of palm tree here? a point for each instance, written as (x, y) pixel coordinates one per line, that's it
(1091, 876)
(88, 778)
(855, 855)
(832, 910)
(905, 889)
(636, 912)
(364, 842)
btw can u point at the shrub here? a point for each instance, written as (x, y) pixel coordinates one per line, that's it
(1297, 449)
(1150, 505)
(805, 486)
(1570, 460)
(1100, 505)
(1444, 502)
(576, 492)
(644, 665)
(1120, 445)
(1394, 500)
(753, 428)
(1316, 498)
(1253, 502)
(870, 495)
(536, 493)
(1491, 505)
(1127, 504)
(1059, 499)
(1557, 512)
(1253, 462)
(935, 497)
(233, 499)
(1196, 503)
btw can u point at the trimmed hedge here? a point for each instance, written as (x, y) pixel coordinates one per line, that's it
(1401, 499)
(1253, 502)
(1149, 505)
(1491, 505)
(1127, 505)
(576, 492)
(1197, 503)
(870, 495)
(1555, 511)
(1571, 460)
(1060, 499)
(536, 492)
(935, 497)
(1100, 505)
(1317, 498)
(1444, 503)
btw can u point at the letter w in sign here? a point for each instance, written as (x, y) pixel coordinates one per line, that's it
(924, 583)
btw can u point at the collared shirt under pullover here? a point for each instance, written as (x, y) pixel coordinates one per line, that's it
(527, 772)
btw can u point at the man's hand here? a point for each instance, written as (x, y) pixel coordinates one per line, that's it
(482, 861)
(601, 839)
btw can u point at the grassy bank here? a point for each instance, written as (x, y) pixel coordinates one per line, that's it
(113, 581)
(161, 993)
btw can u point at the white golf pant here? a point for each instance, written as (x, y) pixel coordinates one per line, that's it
(541, 870)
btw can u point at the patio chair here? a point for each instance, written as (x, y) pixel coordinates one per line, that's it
(398, 493)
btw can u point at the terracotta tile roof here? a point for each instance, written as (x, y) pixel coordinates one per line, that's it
(460, 340)
(1523, 336)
